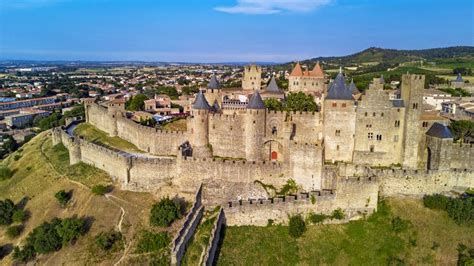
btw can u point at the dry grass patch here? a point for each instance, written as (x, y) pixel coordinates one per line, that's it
(93, 134)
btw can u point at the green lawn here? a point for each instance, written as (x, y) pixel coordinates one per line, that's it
(431, 237)
(93, 134)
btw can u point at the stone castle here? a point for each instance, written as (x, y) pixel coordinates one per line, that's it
(336, 151)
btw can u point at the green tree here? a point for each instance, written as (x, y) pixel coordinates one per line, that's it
(70, 229)
(296, 226)
(106, 240)
(5, 173)
(14, 231)
(7, 207)
(24, 254)
(301, 102)
(462, 130)
(45, 238)
(45, 123)
(273, 104)
(136, 103)
(164, 212)
(63, 197)
(19, 216)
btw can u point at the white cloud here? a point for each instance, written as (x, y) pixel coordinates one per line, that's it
(265, 7)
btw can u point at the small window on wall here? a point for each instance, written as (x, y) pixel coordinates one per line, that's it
(395, 138)
(338, 132)
(372, 148)
(274, 131)
(370, 135)
(334, 104)
(368, 126)
(415, 106)
(365, 114)
(343, 105)
(425, 124)
(379, 137)
(397, 123)
(373, 114)
(337, 147)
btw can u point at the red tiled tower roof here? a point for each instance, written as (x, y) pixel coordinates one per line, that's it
(297, 71)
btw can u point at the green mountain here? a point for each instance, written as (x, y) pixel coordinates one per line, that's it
(392, 56)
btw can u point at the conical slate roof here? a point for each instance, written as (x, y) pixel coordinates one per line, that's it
(256, 101)
(353, 88)
(201, 102)
(214, 83)
(273, 86)
(440, 131)
(338, 89)
(215, 106)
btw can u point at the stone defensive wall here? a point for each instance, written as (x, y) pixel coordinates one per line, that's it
(154, 141)
(356, 197)
(462, 155)
(416, 183)
(132, 171)
(211, 249)
(181, 240)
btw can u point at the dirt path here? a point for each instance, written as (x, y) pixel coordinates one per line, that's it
(126, 247)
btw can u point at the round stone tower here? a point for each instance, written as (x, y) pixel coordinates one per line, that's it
(200, 127)
(255, 128)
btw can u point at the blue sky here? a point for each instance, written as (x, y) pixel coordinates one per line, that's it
(226, 30)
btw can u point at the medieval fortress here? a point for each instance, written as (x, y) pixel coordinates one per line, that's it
(355, 148)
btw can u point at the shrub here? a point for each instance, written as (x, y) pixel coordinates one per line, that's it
(150, 242)
(70, 229)
(164, 212)
(5, 173)
(313, 199)
(14, 231)
(270, 222)
(19, 216)
(297, 226)
(338, 214)
(44, 238)
(100, 190)
(17, 157)
(436, 201)
(461, 210)
(465, 255)
(63, 197)
(399, 225)
(316, 218)
(7, 207)
(106, 240)
(24, 254)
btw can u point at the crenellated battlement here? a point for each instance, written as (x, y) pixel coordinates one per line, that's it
(300, 198)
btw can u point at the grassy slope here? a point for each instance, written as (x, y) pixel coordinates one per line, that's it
(178, 125)
(93, 134)
(39, 180)
(371, 241)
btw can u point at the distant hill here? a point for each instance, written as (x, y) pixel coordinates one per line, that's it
(380, 55)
